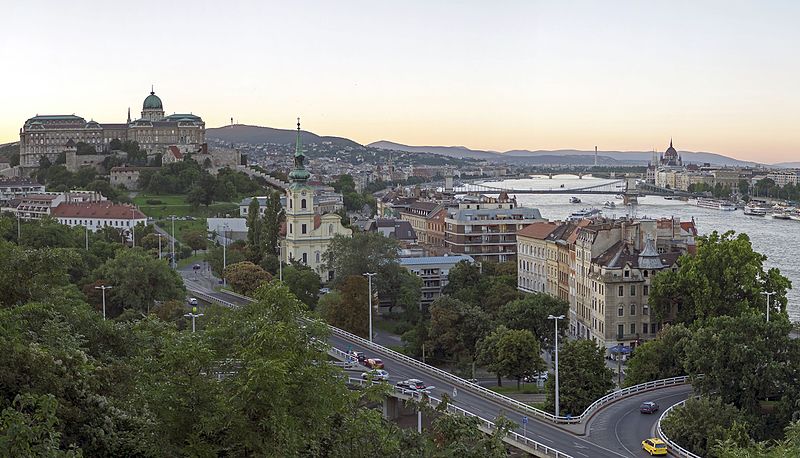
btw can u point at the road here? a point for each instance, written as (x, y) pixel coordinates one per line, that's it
(621, 428)
(622, 439)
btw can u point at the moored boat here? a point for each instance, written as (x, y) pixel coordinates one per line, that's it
(574, 200)
(716, 204)
(754, 210)
(586, 213)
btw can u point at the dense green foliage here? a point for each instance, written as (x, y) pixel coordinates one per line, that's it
(354, 200)
(725, 277)
(200, 187)
(583, 374)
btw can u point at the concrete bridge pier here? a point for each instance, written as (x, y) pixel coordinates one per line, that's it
(391, 408)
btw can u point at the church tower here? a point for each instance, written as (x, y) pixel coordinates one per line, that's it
(308, 233)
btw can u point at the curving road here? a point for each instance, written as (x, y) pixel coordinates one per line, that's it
(621, 428)
(613, 432)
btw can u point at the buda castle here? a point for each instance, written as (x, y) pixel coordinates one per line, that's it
(51, 135)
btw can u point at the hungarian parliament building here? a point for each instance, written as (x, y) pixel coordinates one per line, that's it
(51, 135)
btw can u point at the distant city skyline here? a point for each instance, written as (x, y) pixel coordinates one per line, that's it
(717, 76)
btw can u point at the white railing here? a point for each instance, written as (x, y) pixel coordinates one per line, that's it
(484, 392)
(672, 446)
(485, 425)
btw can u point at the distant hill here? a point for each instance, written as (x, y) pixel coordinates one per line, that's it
(567, 156)
(788, 165)
(240, 133)
(8, 149)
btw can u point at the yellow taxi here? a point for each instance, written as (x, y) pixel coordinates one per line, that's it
(654, 446)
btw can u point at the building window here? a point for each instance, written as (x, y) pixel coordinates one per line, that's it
(645, 289)
(633, 309)
(317, 256)
(303, 229)
(645, 273)
(645, 309)
(633, 328)
(620, 331)
(621, 291)
(305, 258)
(644, 328)
(303, 203)
(620, 311)
(633, 290)
(653, 328)
(291, 227)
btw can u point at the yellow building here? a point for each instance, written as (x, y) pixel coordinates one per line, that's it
(308, 233)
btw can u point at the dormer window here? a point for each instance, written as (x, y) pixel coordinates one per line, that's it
(627, 273)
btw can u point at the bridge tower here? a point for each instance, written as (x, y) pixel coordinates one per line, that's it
(631, 194)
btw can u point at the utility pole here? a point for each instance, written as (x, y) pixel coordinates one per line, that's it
(133, 226)
(768, 294)
(369, 276)
(104, 288)
(224, 251)
(19, 229)
(555, 320)
(193, 314)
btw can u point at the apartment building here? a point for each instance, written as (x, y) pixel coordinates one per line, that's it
(433, 271)
(532, 257)
(486, 227)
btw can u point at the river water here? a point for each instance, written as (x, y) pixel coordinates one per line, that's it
(779, 240)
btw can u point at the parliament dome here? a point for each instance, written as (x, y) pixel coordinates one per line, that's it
(152, 102)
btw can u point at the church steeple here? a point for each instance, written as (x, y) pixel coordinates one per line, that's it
(299, 174)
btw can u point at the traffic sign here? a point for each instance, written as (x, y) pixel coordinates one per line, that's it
(524, 420)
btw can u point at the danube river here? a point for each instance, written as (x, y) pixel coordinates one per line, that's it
(779, 240)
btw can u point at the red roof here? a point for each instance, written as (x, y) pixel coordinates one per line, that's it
(176, 152)
(689, 227)
(105, 210)
(537, 230)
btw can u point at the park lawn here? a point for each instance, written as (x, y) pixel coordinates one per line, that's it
(183, 227)
(225, 209)
(524, 388)
(167, 199)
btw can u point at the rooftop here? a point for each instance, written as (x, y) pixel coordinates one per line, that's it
(98, 210)
(432, 260)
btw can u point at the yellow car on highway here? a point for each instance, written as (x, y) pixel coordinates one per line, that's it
(654, 446)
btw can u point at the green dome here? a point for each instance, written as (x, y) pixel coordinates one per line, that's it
(153, 102)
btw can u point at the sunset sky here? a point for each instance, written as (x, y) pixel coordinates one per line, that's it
(718, 76)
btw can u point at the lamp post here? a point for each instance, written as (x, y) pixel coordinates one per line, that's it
(768, 294)
(19, 229)
(172, 242)
(369, 277)
(193, 314)
(280, 261)
(158, 234)
(87, 237)
(104, 288)
(224, 251)
(555, 320)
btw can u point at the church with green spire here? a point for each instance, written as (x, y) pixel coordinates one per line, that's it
(308, 233)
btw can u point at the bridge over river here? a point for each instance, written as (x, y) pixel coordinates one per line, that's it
(628, 187)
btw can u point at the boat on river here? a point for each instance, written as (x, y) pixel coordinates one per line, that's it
(716, 204)
(777, 214)
(586, 213)
(755, 210)
(609, 204)
(574, 200)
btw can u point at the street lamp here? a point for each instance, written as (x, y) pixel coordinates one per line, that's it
(555, 320)
(369, 276)
(224, 251)
(172, 242)
(158, 234)
(768, 294)
(87, 237)
(280, 261)
(193, 314)
(19, 229)
(104, 288)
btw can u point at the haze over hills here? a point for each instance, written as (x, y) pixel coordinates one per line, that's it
(241, 133)
(567, 156)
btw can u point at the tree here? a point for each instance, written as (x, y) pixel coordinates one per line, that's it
(271, 222)
(455, 329)
(531, 313)
(743, 359)
(32, 274)
(462, 282)
(303, 282)
(583, 376)
(196, 240)
(138, 280)
(349, 309)
(725, 277)
(29, 428)
(660, 358)
(254, 229)
(700, 423)
(245, 277)
(218, 255)
(195, 197)
(518, 354)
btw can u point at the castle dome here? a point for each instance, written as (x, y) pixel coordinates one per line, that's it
(152, 102)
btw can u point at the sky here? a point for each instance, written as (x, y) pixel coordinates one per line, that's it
(716, 76)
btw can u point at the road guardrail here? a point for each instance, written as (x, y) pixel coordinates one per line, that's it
(672, 446)
(484, 392)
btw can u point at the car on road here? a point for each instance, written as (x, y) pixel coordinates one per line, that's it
(375, 374)
(192, 301)
(373, 363)
(358, 356)
(414, 384)
(648, 407)
(654, 446)
(541, 377)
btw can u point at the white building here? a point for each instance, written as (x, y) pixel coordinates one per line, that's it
(96, 215)
(433, 270)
